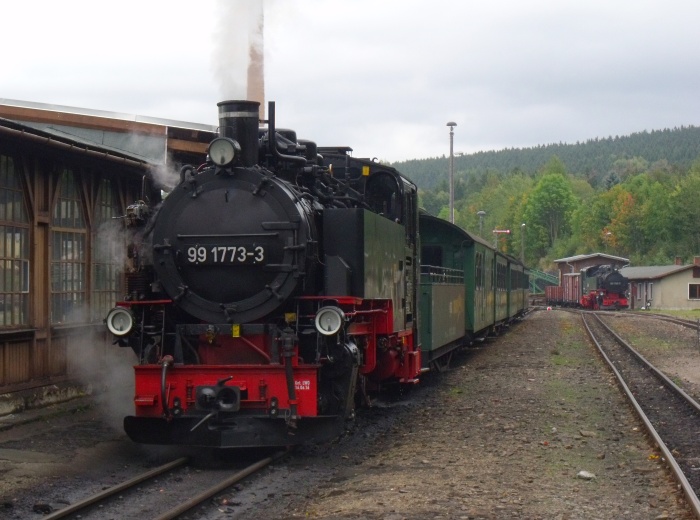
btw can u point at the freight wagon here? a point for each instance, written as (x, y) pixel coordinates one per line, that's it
(568, 294)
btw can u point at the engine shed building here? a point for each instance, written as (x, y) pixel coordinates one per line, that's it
(670, 287)
(66, 177)
(574, 264)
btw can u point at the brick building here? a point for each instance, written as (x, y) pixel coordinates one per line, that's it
(574, 264)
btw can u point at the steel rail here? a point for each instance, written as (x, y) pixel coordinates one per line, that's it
(690, 495)
(218, 488)
(78, 506)
(685, 322)
(691, 324)
(663, 377)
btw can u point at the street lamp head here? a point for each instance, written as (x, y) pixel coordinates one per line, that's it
(481, 213)
(522, 225)
(451, 124)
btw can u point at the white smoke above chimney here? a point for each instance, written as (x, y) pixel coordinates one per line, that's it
(238, 60)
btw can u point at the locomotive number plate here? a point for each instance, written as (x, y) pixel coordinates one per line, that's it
(225, 254)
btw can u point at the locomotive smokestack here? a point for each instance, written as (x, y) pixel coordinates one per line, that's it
(239, 120)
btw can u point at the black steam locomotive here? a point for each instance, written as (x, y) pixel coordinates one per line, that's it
(603, 287)
(271, 289)
(276, 287)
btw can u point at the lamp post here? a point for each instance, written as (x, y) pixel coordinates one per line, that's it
(481, 213)
(522, 243)
(452, 125)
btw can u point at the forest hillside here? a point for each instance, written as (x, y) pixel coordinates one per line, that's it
(636, 196)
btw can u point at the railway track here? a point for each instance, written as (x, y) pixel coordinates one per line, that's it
(671, 417)
(691, 324)
(96, 503)
(687, 323)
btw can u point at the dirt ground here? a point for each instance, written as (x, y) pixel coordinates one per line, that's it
(506, 433)
(672, 348)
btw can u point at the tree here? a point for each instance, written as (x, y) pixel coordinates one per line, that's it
(650, 219)
(622, 232)
(685, 213)
(433, 201)
(554, 165)
(549, 208)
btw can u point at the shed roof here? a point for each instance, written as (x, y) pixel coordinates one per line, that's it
(578, 258)
(652, 272)
(53, 137)
(91, 117)
(157, 137)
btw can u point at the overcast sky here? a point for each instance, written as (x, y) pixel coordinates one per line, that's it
(381, 76)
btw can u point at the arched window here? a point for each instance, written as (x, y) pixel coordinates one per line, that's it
(14, 248)
(68, 238)
(107, 252)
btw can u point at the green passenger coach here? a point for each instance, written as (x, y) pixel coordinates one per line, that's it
(468, 290)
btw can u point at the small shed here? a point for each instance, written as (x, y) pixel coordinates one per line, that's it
(668, 287)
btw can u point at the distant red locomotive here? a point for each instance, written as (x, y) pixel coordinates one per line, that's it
(596, 288)
(603, 287)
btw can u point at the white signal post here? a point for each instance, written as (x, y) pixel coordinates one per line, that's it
(497, 232)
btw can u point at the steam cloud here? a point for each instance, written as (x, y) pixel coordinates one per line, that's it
(165, 177)
(238, 56)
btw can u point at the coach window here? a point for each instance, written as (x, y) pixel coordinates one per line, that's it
(106, 252)
(68, 243)
(431, 256)
(479, 270)
(14, 248)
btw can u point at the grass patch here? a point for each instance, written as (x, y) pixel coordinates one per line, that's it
(571, 352)
(648, 343)
(562, 390)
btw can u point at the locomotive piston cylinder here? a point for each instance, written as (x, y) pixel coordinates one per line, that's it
(239, 120)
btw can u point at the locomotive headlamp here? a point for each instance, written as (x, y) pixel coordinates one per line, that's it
(119, 321)
(329, 320)
(223, 151)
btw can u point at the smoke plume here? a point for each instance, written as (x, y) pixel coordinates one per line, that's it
(238, 60)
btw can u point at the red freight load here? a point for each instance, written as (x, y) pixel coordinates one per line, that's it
(572, 289)
(554, 294)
